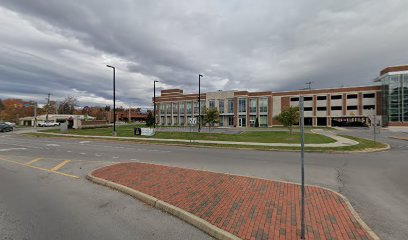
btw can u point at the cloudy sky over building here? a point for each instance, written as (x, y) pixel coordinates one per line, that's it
(63, 46)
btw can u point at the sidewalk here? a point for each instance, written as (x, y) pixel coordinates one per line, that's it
(340, 141)
(248, 208)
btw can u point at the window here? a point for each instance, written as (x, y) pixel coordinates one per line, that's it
(335, 108)
(189, 107)
(334, 97)
(352, 96)
(252, 105)
(369, 95)
(308, 99)
(230, 106)
(162, 109)
(321, 97)
(162, 120)
(168, 108)
(175, 108)
(182, 121)
(294, 99)
(369, 107)
(175, 120)
(263, 121)
(242, 105)
(352, 107)
(182, 104)
(195, 107)
(321, 108)
(168, 121)
(211, 103)
(263, 105)
(308, 109)
(203, 104)
(221, 106)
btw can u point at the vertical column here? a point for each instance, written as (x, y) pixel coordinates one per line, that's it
(270, 111)
(328, 110)
(185, 113)
(257, 111)
(344, 105)
(360, 104)
(235, 111)
(314, 105)
(248, 115)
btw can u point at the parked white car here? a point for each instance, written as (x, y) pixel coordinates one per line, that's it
(48, 124)
(10, 123)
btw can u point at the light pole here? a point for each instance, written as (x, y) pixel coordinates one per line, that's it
(114, 101)
(154, 102)
(302, 162)
(199, 101)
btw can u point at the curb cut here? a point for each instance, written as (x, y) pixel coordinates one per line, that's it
(201, 224)
(197, 222)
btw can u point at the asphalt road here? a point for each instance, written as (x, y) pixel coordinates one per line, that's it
(35, 204)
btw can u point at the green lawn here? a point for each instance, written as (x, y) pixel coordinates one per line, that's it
(260, 136)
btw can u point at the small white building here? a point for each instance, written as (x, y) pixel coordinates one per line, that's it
(75, 120)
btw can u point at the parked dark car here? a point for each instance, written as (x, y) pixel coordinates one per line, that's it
(5, 127)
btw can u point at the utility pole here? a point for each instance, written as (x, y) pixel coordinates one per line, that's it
(35, 115)
(375, 127)
(48, 106)
(302, 162)
(154, 102)
(114, 100)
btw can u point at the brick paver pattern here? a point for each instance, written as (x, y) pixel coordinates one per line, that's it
(249, 208)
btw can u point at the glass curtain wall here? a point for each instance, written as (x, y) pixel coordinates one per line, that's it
(395, 98)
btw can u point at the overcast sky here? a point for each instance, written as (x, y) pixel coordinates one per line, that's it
(62, 46)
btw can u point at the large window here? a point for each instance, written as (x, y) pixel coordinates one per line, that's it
(263, 105)
(221, 106)
(162, 109)
(242, 105)
(336, 97)
(321, 97)
(182, 104)
(395, 90)
(252, 105)
(336, 108)
(263, 121)
(352, 96)
(369, 95)
(175, 108)
(168, 109)
(353, 107)
(195, 107)
(230, 105)
(189, 108)
(211, 103)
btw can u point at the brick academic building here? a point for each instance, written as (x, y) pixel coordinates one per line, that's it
(386, 103)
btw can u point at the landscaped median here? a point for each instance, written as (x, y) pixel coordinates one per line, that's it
(236, 207)
(315, 140)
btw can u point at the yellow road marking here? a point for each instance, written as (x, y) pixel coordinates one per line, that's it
(34, 160)
(39, 168)
(59, 166)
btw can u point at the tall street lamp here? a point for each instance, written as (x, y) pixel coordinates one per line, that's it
(199, 101)
(114, 101)
(154, 102)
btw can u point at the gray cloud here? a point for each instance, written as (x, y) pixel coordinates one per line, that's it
(57, 46)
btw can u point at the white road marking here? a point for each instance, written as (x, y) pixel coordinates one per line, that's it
(97, 155)
(69, 151)
(83, 153)
(52, 145)
(11, 149)
(84, 142)
(115, 157)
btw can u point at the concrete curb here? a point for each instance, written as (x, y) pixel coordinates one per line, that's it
(199, 223)
(399, 138)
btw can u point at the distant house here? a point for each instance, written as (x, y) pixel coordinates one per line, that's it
(60, 118)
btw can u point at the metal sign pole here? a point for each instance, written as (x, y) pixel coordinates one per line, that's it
(302, 158)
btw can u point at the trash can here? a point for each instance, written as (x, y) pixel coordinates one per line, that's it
(137, 131)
